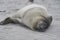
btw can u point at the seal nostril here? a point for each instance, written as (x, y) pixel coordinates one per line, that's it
(41, 26)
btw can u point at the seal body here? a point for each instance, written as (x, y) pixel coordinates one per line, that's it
(31, 15)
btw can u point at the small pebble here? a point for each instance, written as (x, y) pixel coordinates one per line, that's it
(31, 1)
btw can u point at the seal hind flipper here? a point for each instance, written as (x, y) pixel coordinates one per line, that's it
(6, 21)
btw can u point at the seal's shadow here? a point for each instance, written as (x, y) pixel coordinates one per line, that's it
(22, 25)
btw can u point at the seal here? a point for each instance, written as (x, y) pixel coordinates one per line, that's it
(33, 16)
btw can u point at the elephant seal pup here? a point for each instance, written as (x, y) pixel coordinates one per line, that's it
(34, 16)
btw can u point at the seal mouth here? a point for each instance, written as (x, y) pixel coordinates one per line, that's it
(42, 25)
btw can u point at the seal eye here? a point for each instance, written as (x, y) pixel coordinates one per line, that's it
(41, 26)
